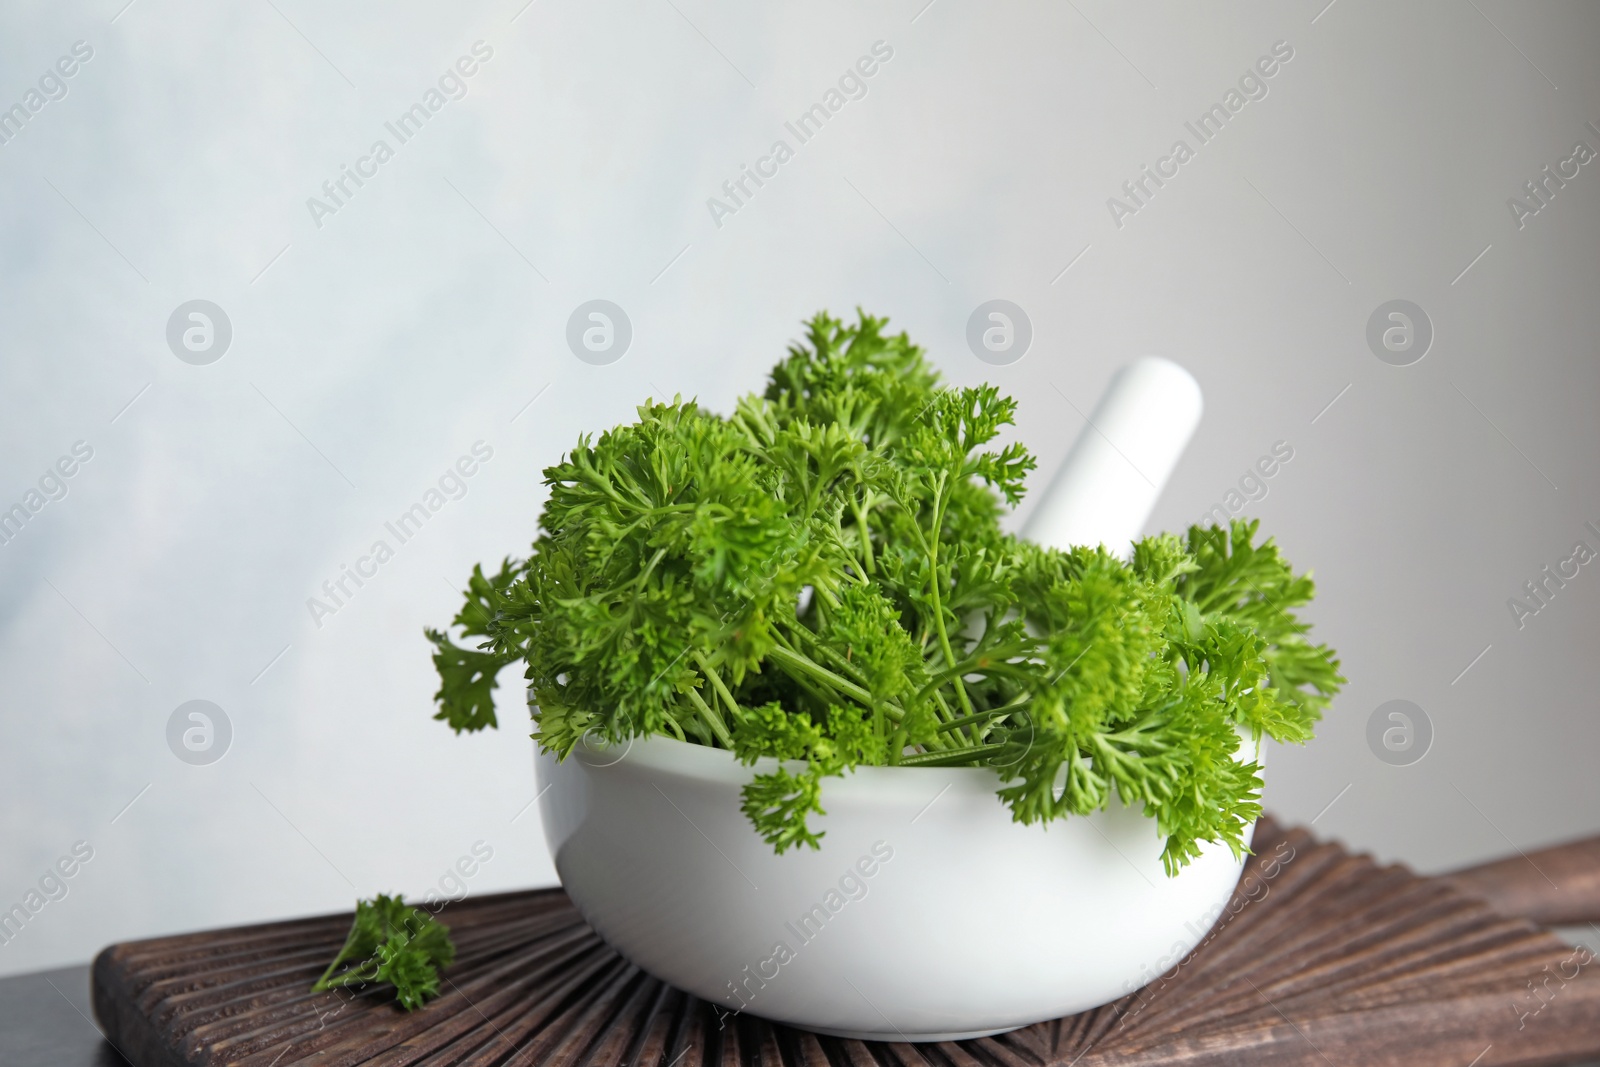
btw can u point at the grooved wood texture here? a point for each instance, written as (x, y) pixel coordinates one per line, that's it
(1555, 885)
(1324, 959)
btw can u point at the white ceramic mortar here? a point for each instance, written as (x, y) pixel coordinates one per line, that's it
(928, 914)
(946, 919)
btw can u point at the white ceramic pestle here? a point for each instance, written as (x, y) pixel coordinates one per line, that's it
(1122, 458)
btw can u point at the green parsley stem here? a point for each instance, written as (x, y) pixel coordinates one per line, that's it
(863, 531)
(805, 665)
(939, 499)
(712, 719)
(344, 953)
(954, 757)
(644, 575)
(887, 708)
(358, 975)
(983, 717)
(948, 716)
(839, 663)
(716, 683)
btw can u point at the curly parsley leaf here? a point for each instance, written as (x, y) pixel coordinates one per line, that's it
(468, 677)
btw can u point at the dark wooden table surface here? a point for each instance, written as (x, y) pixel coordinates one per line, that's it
(46, 1018)
(45, 1021)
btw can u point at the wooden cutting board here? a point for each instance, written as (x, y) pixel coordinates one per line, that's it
(1324, 959)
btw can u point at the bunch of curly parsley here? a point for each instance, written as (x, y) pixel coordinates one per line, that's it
(821, 577)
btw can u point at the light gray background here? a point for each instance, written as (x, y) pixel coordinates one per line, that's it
(369, 354)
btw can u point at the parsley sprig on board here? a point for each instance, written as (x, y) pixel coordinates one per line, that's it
(394, 943)
(821, 577)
